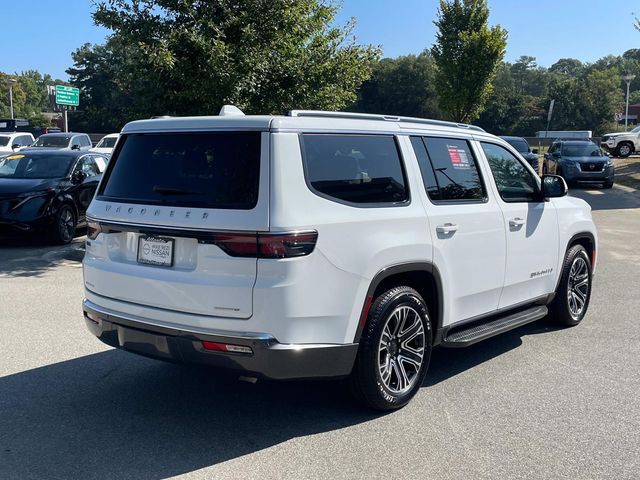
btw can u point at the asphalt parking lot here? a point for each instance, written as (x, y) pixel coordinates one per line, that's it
(537, 402)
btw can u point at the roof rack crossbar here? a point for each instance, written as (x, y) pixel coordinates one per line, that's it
(386, 118)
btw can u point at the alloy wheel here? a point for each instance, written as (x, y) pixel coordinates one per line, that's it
(66, 224)
(578, 286)
(625, 150)
(401, 349)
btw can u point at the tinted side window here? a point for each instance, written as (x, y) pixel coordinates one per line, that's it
(515, 183)
(360, 169)
(456, 171)
(85, 141)
(426, 170)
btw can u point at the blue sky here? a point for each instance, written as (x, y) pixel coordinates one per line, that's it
(545, 29)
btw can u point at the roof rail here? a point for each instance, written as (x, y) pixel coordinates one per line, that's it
(386, 118)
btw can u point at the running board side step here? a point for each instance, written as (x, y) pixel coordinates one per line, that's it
(466, 335)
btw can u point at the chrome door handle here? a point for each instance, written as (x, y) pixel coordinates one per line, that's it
(516, 222)
(447, 228)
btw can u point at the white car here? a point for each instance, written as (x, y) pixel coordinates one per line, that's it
(622, 144)
(63, 141)
(14, 141)
(327, 244)
(106, 144)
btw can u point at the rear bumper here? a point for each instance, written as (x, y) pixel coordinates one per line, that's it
(270, 359)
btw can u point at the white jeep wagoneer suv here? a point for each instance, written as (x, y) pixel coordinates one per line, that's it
(326, 244)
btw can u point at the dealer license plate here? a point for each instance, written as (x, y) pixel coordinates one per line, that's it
(155, 250)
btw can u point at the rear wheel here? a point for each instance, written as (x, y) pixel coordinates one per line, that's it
(574, 290)
(64, 227)
(395, 350)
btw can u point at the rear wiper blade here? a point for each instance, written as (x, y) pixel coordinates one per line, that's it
(163, 190)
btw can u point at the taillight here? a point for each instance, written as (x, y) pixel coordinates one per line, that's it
(267, 245)
(93, 230)
(286, 245)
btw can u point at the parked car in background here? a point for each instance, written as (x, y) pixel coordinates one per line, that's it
(106, 144)
(523, 148)
(622, 144)
(68, 141)
(15, 141)
(579, 161)
(46, 192)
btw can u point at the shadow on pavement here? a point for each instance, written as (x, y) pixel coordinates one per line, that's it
(28, 257)
(116, 415)
(449, 362)
(607, 199)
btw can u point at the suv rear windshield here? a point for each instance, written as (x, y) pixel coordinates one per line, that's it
(207, 170)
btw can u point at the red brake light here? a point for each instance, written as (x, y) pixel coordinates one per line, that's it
(285, 245)
(267, 245)
(93, 230)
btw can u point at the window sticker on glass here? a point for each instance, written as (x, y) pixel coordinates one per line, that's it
(458, 156)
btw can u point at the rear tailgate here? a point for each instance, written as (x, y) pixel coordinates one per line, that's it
(165, 200)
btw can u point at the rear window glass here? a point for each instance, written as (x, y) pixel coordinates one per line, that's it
(361, 169)
(207, 170)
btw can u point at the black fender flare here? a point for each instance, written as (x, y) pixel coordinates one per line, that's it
(391, 270)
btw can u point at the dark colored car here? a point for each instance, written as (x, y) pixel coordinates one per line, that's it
(523, 148)
(47, 192)
(579, 161)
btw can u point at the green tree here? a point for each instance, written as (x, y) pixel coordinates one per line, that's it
(193, 56)
(401, 86)
(568, 66)
(467, 53)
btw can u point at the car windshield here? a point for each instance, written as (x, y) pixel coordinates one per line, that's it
(56, 141)
(581, 150)
(4, 141)
(636, 130)
(107, 142)
(520, 145)
(35, 166)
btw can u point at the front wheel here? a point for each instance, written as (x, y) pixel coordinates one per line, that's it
(394, 352)
(624, 150)
(574, 290)
(64, 227)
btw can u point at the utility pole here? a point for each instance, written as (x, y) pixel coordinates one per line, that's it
(628, 79)
(10, 82)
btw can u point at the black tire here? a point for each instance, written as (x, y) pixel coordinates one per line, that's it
(383, 350)
(571, 290)
(608, 184)
(624, 150)
(64, 225)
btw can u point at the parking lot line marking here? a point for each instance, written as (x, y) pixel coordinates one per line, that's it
(595, 192)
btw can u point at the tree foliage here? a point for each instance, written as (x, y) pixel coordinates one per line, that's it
(30, 97)
(467, 53)
(401, 86)
(191, 57)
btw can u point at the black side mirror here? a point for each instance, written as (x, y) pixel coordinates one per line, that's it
(534, 150)
(553, 186)
(75, 147)
(78, 177)
(16, 145)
